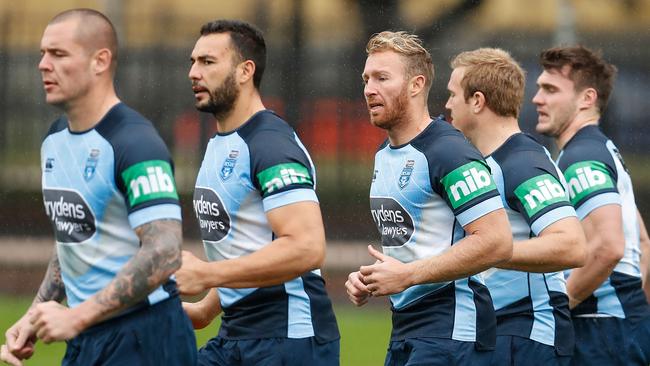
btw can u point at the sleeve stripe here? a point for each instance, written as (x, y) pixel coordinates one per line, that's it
(153, 213)
(550, 217)
(289, 197)
(597, 201)
(479, 210)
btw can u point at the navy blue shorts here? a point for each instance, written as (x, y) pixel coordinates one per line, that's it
(639, 343)
(435, 352)
(600, 341)
(269, 352)
(513, 350)
(157, 335)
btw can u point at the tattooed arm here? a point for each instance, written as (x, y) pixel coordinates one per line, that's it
(21, 337)
(158, 257)
(52, 288)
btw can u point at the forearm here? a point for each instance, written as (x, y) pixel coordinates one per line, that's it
(281, 260)
(52, 287)
(584, 281)
(549, 253)
(158, 258)
(470, 256)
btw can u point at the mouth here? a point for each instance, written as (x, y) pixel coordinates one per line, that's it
(374, 107)
(197, 89)
(47, 84)
(542, 114)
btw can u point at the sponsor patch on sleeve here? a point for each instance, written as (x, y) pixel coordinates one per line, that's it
(539, 192)
(282, 175)
(587, 177)
(467, 182)
(149, 180)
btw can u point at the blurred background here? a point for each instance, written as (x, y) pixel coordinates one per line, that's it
(316, 53)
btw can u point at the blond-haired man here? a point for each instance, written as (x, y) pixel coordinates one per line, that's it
(486, 89)
(439, 215)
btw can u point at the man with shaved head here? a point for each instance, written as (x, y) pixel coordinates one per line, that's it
(109, 191)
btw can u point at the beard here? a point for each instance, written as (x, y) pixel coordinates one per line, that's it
(222, 98)
(393, 115)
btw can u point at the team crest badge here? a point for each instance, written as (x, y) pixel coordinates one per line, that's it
(49, 164)
(405, 177)
(91, 164)
(229, 165)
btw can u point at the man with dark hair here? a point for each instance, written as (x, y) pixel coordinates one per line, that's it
(439, 215)
(609, 310)
(109, 192)
(486, 89)
(259, 216)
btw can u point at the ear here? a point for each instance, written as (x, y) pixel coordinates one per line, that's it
(588, 98)
(101, 60)
(416, 85)
(477, 102)
(245, 71)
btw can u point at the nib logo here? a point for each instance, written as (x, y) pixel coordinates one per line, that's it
(149, 180)
(540, 192)
(587, 177)
(467, 182)
(282, 175)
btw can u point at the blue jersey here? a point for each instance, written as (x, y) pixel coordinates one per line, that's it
(596, 176)
(530, 305)
(245, 173)
(98, 185)
(423, 193)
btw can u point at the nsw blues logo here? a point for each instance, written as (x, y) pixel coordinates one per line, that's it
(91, 164)
(405, 177)
(49, 164)
(229, 165)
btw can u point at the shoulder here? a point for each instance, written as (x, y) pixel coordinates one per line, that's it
(588, 144)
(445, 147)
(131, 133)
(58, 125)
(521, 158)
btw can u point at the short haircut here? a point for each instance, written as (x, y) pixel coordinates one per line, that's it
(247, 40)
(418, 59)
(588, 69)
(493, 72)
(94, 31)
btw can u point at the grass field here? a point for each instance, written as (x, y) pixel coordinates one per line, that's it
(364, 333)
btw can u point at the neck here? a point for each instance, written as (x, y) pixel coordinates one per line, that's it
(247, 104)
(409, 127)
(84, 113)
(492, 132)
(582, 119)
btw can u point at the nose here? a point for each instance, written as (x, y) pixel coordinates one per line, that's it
(194, 73)
(448, 104)
(369, 90)
(45, 64)
(537, 98)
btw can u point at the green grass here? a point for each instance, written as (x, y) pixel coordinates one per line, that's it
(364, 333)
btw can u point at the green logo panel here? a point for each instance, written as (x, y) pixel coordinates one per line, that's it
(585, 178)
(467, 182)
(149, 180)
(539, 192)
(282, 175)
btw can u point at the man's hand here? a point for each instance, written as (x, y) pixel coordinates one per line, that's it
(386, 277)
(20, 338)
(55, 322)
(358, 292)
(190, 277)
(203, 312)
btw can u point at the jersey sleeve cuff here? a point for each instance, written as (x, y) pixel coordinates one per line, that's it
(479, 210)
(153, 213)
(550, 217)
(597, 201)
(289, 197)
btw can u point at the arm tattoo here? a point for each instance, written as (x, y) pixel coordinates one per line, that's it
(52, 287)
(159, 256)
